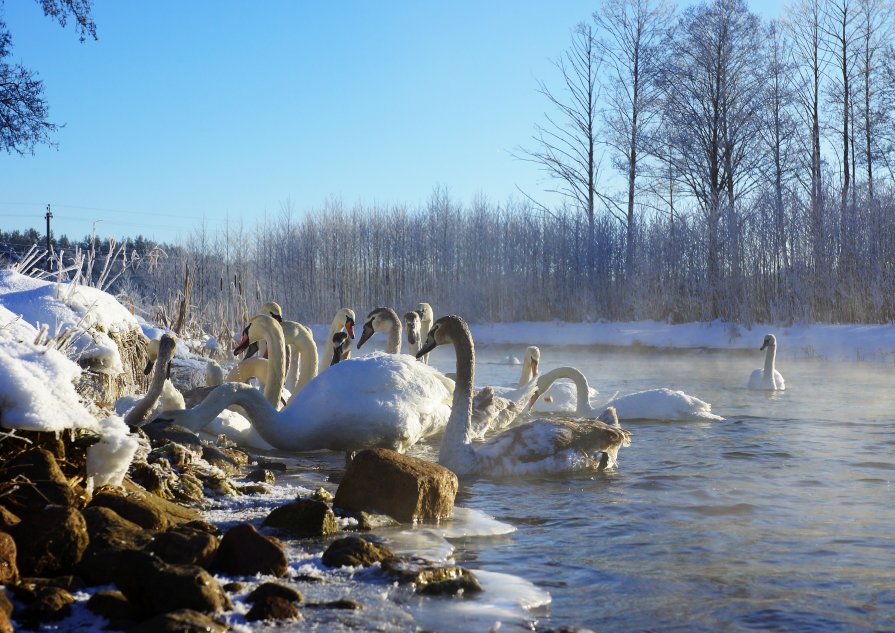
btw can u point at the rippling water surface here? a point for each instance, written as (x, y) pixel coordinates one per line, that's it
(781, 517)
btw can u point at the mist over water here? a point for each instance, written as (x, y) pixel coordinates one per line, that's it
(781, 517)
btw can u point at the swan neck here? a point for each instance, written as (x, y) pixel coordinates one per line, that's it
(394, 334)
(582, 389)
(456, 439)
(769, 360)
(138, 414)
(276, 357)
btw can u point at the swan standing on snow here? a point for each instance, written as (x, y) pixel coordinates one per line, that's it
(381, 400)
(652, 404)
(768, 378)
(536, 448)
(383, 320)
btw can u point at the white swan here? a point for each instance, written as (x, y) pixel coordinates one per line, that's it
(300, 347)
(344, 320)
(160, 390)
(536, 448)
(380, 400)
(426, 319)
(652, 404)
(265, 328)
(341, 347)
(768, 378)
(414, 337)
(383, 320)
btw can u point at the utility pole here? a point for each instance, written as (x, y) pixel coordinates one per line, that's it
(49, 217)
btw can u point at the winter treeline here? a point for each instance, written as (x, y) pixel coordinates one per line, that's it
(708, 164)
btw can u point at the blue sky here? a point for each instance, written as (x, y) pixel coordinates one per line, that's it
(224, 109)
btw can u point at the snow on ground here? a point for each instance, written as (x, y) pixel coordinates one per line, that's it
(88, 313)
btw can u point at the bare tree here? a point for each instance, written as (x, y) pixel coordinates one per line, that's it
(566, 143)
(804, 24)
(632, 33)
(712, 86)
(24, 121)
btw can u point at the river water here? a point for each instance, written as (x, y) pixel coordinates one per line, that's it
(781, 517)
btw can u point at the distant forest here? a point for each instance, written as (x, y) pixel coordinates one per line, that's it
(711, 164)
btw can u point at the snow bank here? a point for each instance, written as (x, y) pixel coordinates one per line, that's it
(90, 315)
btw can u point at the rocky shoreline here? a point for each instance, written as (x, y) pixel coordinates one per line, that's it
(149, 559)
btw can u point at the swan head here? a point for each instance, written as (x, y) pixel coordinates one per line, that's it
(345, 319)
(533, 356)
(379, 319)
(160, 348)
(252, 333)
(769, 341)
(412, 323)
(341, 347)
(609, 416)
(444, 331)
(273, 309)
(425, 311)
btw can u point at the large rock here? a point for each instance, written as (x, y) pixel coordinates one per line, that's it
(112, 605)
(51, 541)
(154, 587)
(273, 608)
(180, 546)
(180, 621)
(110, 536)
(9, 570)
(145, 509)
(303, 518)
(403, 487)
(7, 520)
(354, 551)
(38, 482)
(50, 605)
(273, 589)
(245, 552)
(432, 578)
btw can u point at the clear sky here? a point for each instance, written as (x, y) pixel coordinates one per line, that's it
(216, 108)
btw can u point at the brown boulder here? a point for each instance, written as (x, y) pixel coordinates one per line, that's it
(51, 541)
(9, 571)
(39, 482)
(303, 518)
(273, 589)
(112, 605)
(50, 605)
(154, 587)
(218, 458)
(344, 603)
(273, 608)
(408, 489)
(5, 624)
(180, 621)
(245, 552)
(431, 578)
(262, 475)
(184, 547)
(110, 535)
(354, 551)
(145, 509)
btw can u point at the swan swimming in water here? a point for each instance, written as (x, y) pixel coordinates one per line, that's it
(535, 448)
(380, 400)
(651, 404)
(768, 378)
